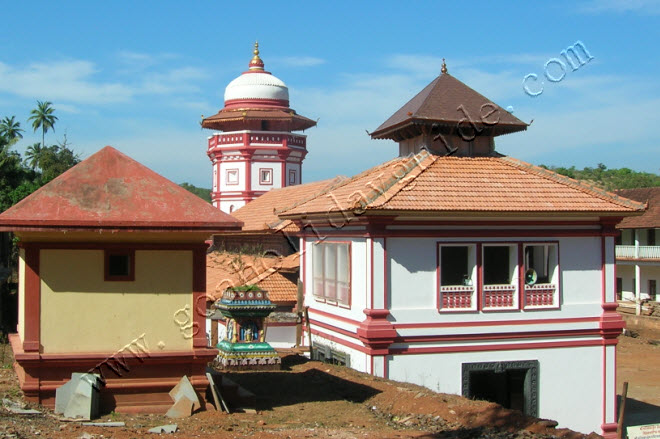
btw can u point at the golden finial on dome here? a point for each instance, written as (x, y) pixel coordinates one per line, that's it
(444, 67)
(256, 63)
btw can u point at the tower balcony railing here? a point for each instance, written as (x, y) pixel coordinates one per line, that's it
(257, 138)
(638, 252)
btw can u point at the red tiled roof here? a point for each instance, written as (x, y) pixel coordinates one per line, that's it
(280, 288)
(274, 275)
(260, 214)
(447, 184)
(111, 190)
(446, 101)
(651, 218)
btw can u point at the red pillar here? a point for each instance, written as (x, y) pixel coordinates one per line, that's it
(32, 306)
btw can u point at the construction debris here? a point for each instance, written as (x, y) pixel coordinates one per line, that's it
(104, 424)
(79, 397)
(185, 400)
(217, 396)
(170, 428)
(17, 408)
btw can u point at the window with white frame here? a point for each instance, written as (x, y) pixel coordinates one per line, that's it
(541, 271)
(292, 176)
(457, 275)
(231, 177)
(331, 262)
(500, 264)
(266, 176)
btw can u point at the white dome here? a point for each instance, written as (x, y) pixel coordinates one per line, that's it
(257, 86)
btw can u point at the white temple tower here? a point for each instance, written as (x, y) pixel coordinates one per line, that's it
(256, 150)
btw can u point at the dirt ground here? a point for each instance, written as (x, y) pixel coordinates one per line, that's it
(315, 400)
(638, 363)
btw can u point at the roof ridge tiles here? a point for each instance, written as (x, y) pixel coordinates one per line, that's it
(393, 189)
(588, 188)
(343, 182)
(335, 182)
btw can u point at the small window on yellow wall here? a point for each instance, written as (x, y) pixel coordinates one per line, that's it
(119, 265)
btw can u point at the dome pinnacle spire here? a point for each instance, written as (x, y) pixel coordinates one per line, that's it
(443, 70)
(256, 63)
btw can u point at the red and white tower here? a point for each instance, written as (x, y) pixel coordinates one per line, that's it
(257, 150)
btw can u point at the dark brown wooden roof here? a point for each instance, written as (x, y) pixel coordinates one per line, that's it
(651, 218)
(229, 120)
(445, 102)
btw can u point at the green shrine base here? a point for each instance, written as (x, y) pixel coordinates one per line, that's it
(246, 356)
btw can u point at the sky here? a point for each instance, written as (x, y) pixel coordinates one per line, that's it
(139, 75)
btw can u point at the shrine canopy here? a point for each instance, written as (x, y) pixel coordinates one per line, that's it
(111, 192)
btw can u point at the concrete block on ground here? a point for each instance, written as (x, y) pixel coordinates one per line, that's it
(182, 408)
(170, 428)
(185, 399)
(79, 397)
(185, 390)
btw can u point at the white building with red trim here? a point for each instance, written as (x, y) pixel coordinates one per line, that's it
(466, 271)
(257, 149)
(637, 251)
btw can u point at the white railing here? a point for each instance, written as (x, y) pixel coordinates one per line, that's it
(642, 252)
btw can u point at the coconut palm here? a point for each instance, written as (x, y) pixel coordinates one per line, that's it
(43, 117)
(11, 129)
(33, 155)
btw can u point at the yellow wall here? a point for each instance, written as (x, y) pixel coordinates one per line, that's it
(21, 294)
(80, 312)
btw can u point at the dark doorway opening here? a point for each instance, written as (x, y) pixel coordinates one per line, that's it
(512, 384)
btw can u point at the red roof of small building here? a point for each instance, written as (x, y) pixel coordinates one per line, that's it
(651, 218)
(470, 185)
(275, 275)
(111, 190)
(446, 102)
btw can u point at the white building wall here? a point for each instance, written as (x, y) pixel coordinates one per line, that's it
(565, 385)
(229, 206)
(281, 336)
(295, 167)
(649, 271)
(359, 287)
(412, 289)
(358, 360)
(231, 165)
(571, 381)
(379, 261)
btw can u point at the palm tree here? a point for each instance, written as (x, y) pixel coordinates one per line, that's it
(10, 129)
(43, 117)
(33, 155)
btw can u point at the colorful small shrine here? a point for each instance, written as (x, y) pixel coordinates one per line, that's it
(244, 346)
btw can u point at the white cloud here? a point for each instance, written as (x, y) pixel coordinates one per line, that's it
(82, 82)
(61, 81)
(180, 80)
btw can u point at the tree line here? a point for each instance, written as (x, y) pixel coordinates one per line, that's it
(22, 175)
(609, 179)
